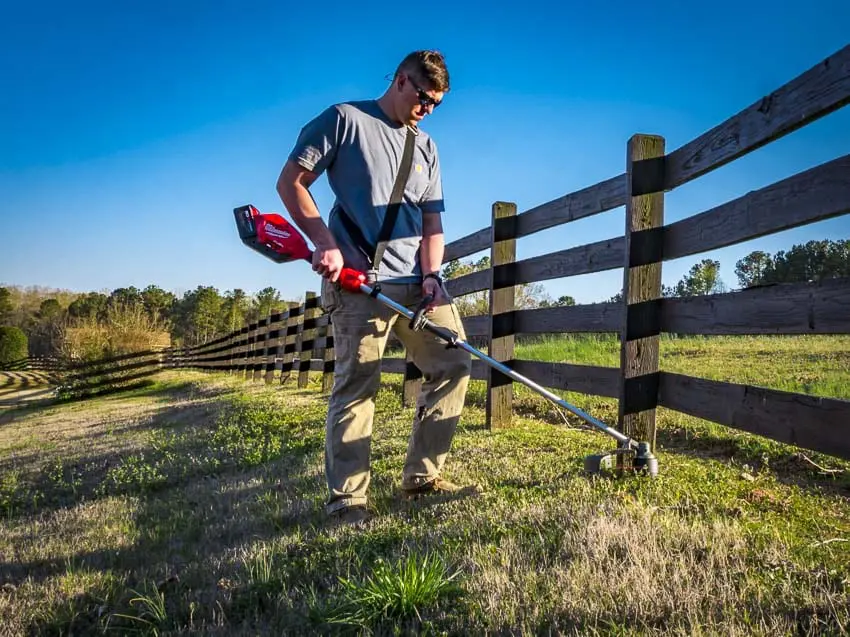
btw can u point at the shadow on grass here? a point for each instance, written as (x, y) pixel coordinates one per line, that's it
(788, 464)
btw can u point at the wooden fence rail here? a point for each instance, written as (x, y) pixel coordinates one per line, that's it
(300, 339)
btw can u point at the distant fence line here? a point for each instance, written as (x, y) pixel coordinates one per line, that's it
(300, 340)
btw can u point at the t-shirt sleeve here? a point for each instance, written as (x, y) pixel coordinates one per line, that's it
(432, 198)
(318, 141)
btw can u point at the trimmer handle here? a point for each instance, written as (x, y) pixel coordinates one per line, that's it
(419, 319)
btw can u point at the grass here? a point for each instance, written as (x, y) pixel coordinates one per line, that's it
(818, 365)
(195, 505)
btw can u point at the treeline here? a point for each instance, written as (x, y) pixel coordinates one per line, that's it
(803, 263)
(82, 325)
(88, 325)
(813, 261)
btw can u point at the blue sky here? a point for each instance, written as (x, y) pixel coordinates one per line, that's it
(130, 133)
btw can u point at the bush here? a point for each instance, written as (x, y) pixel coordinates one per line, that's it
(13, 345)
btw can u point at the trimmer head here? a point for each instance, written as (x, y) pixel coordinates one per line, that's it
(635, 460)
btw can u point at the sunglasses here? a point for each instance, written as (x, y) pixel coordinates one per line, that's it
(425, 100)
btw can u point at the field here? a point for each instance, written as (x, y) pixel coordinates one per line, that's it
(194, 505)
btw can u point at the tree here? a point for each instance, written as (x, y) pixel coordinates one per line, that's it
(49, 310)
(44, 328)
(6, 306)
(126, 297)
(527, 295)
(157, 304)
(562, 301)
(474, 304)
(752, 269)
(198, 316)
(13, 345)
(812, 261)
(266, 302)
(703, 278)
(88, 306)
(234, 310)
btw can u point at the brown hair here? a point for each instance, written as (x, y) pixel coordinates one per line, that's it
(427, 66)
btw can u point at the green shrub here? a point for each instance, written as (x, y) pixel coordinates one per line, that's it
(13, 345)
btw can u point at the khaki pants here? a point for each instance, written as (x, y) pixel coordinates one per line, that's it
(361, 326)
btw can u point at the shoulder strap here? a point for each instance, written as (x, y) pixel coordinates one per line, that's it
(356, 234)
(374, 254)
(395, 198)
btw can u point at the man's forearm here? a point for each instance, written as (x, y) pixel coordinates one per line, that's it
(305, 214)
(431, 252)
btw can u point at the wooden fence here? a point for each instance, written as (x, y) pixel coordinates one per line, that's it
(269, 348)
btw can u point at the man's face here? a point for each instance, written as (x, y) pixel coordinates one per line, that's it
(416, 102)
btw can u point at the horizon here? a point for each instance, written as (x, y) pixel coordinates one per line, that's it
(137, 131)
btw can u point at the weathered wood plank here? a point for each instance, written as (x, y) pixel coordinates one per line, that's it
(593, 317)
(811, 422)
(585, 379)
(469, 283)
(480, 369)
(638, 388)
(470, 244)
(476, 325)
(600, 197)
(822, 89)
(814, 195)
(393, 365)
(789, 308)
(584, 259)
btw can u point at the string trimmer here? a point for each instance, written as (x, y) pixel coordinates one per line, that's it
(275, 238)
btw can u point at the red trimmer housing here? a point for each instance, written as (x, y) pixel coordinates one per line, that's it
(271, 235)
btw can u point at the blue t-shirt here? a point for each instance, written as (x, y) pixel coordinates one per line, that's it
(361, 148)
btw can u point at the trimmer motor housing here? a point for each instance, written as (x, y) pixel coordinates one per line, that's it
(271, 235)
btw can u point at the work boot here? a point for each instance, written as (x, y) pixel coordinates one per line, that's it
(356, 515)
(439, 486)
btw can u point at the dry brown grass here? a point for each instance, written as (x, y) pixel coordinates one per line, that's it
(622, 566)
(124, 330)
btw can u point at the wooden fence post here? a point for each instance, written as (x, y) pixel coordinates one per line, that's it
(639, 337)
(308, 337)
(251, 351)
(278, 339)
(290, 339)
(239, 351)
(261, 348)
(502, 298)
(412, 382)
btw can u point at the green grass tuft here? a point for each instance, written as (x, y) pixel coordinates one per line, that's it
(394, 591)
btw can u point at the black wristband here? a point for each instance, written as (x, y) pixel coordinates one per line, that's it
(435, 276)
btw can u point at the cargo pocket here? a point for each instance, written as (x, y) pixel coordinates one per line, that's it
(330, 296)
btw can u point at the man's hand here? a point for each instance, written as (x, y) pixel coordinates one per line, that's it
(328, 263)
(430, 287)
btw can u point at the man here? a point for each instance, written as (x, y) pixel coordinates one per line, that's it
(381, 165)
